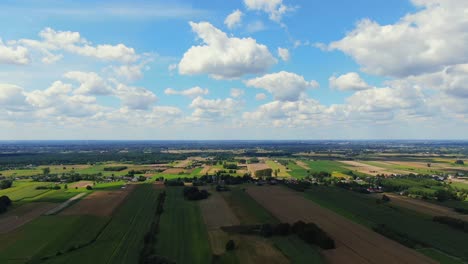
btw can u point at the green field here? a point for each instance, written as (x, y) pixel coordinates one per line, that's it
(182, 237)
(48, 235)
(247, 210)
(250, 212)
(297, 171)
(122, 238)
(363, 209)
(85, 239)
(24, 190)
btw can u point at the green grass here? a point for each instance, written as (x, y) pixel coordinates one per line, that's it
(107, 186)
(58, 196)
(20, 172)
(440, 256)
(298, 251)
(297, 171)
(122, 239)
(183, 236)
(247, 210)
(364, 210)
(460, 185)
(24, 190)
(335, 168)
(48, 235)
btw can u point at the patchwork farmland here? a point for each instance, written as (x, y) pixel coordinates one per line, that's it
(229, 207)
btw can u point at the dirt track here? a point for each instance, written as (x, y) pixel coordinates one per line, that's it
(355, 243)
(22, 215)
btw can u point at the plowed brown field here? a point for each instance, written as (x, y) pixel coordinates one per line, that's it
(100, 203)
(354, 243)
(22, 215)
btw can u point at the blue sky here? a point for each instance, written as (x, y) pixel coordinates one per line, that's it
(156, 70)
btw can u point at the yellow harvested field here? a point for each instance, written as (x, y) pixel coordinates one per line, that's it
(354, 243)
(205, 170)
(13, 219)
(174, 171)
(183, 163)
(369, 169)
(273, 164)
(257, 166)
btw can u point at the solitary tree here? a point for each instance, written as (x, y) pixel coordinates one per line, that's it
(46, 171)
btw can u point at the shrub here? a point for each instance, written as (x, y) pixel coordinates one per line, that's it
(5, 184)
(452, 222)
(461, 210)
(193, 193)
(115, 168)
(282, 229)
(394, 235)
(5, 202)
(313, 234)
(385, 198)
(88, 187)
(141, 178)
(230, 245)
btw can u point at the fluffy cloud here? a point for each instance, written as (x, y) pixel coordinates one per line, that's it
(235, 93)
(452, 81)
(277, 113)
(234, 19)
(423, 42)
(12, 97)
(192, 92)
(129, 72)
(283, 54)
(274, 8)
(223, 57)
(57, 100)
(285, 86)
(13, 55)
(90, 83)
(72, 42)
(212, 109)
(348, 82)
(135, 97)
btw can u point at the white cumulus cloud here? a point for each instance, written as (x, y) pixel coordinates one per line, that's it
(348, 82)
(274, 8)
(13, 55)
(224, 57)
(234, 19)
(285, 86)
(425, 41)
(192, 92)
